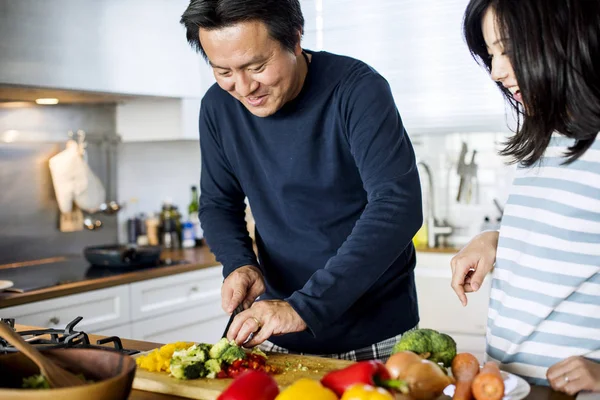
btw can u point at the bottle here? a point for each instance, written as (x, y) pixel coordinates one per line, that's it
(193, 213)
(188, 235)
(142, 231)
(152, 230)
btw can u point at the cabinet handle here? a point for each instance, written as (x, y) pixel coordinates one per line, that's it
(54, 321)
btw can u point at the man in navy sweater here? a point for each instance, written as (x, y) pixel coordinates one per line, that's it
(316, 144)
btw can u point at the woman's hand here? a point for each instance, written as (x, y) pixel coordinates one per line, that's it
(473, 263)
(574, 375)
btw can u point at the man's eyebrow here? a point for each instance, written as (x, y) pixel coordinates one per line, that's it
(255, 60)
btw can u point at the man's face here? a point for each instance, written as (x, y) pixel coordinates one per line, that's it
(253, 67)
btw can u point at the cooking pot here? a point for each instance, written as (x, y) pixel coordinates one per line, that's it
(123, 256)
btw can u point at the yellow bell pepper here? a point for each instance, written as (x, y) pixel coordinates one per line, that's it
(304, 389)
(366, 392)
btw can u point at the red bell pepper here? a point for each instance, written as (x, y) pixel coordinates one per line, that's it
(251, 385)
(372, 373)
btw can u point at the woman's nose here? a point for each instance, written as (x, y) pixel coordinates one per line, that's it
(500, 68)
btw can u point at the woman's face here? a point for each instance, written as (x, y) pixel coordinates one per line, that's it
(502, 70)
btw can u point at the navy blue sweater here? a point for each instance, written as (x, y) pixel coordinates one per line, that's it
(334, 190)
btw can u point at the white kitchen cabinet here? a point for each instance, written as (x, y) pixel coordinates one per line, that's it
(132, 47)
(180, 307)
(175, 293)
(440, 309)
(203, 323)
(100, 309)
(122, 331)
(143, 120)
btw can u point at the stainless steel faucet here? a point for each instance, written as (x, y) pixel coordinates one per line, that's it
(434, 230)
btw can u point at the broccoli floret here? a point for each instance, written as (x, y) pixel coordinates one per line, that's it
(217, 350)
(187, 369)
(443, 349)
(416, 341)
(213, 367)
(35, 382)
(233, 353)
(437, 347)
(198, 353)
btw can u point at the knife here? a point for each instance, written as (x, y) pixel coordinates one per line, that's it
(235, 312)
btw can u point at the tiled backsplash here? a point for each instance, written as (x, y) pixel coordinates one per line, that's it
(494, 177)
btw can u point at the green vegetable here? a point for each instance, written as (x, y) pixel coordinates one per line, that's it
(35, 382)
(213, 367)
(443, 349)
(187, 369)
(217, 350)
(232, 354)
(416, 341)
(431, 344)
(39, 381)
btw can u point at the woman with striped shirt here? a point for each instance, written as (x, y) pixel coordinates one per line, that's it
(544, 317)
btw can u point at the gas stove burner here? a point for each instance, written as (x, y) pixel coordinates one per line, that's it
(52, 338)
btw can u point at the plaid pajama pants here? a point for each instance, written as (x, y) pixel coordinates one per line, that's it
(377, 351)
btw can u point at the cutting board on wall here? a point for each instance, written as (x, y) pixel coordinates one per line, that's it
(209, 389)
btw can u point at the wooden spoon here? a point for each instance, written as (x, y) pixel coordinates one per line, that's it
(56, 376)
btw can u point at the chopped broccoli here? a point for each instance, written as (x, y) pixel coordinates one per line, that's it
(35, 382)
(198, 353)
(443, 349)
(219, 348)
(182, 368)
(416, 341)
(233, 353)
(213, 367)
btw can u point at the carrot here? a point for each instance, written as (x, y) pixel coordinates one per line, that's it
(462, 391)
(488, 384)
(464, 368)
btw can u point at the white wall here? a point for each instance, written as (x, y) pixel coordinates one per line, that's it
(150, 172)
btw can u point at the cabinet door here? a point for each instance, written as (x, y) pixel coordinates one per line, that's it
(100, 309)
(175, 293)
(204, 323)
(439, 308)
(131, 47)
(158, 119)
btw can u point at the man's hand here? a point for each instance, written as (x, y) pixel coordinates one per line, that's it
(574, 375)
(265, 319)
(242, 286)
(471, 265)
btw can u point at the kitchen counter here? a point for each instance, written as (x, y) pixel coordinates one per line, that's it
(537, 392)
(197, 258)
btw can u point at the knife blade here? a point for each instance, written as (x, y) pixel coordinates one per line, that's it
(235, 312)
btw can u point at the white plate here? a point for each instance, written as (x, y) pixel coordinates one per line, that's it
(5, 285)
(515, 387)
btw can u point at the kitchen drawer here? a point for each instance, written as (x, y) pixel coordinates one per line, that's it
(122, 331)
(204, 323)
(100, 309)
(174, 293)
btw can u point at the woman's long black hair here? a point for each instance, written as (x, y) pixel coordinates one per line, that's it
(554, 48)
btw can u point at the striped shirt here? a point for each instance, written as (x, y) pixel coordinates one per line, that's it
(545, 297)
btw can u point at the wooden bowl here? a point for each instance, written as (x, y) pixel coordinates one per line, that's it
(111, 372)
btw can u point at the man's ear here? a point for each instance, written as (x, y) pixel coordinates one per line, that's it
(298, 47)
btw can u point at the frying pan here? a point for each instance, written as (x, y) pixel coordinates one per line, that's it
(123, 256)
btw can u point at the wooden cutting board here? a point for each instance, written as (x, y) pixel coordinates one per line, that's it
(209, 389)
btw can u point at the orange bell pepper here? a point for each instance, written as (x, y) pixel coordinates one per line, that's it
(366, 392)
